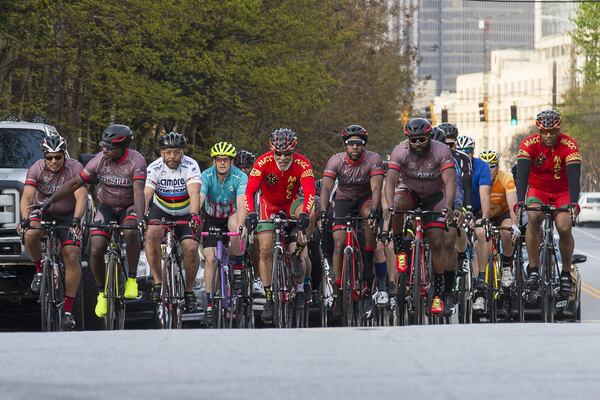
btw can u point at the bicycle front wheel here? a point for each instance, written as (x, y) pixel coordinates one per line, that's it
(276, 280)
(49, 318)
(347, 288)
(111, 293)
(417, 297)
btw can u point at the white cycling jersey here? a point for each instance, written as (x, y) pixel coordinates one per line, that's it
(170, 185)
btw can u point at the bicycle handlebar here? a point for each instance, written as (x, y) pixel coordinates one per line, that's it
(112, 226)
(157, 222)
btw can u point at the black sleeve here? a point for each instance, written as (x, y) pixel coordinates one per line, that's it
(467, 176)
(573, 174)
(523, 169)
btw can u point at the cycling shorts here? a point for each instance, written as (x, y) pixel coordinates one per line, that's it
(343, 208)
(434, 203)
(268, 211)
(105, 215)
(560, 199)
(64, 235)
(182, 232)
(220, 223)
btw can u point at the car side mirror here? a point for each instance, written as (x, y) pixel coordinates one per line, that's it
(578, 259)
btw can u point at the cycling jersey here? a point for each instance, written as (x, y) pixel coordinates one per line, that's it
(422, 174)
(354, 177)
(221, 196)
(466, 175)
(481, 177)
(548, 164)
(116, 177)
(170, 185)
(460, 191)
(280, 188)
(503, 184)
(47, 182)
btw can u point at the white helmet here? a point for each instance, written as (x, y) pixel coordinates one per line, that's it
(465, 142)
(53, 144)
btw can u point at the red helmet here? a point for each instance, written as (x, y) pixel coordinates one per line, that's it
(283, 139)
(548, 119)
(355, 130)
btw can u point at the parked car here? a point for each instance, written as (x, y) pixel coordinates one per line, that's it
(590, 208)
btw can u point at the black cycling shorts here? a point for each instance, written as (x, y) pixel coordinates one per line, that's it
(105, 215)
(183, 232)
(221, 223)
(64, 235)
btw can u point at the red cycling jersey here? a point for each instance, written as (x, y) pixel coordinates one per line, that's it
(281, 188)
(549, 164)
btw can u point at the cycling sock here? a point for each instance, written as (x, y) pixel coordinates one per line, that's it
(38, 267)
(381, 273)
(307, 281)
(238, 260)
(68, 305)
(462, 257)
(481, 276)
(208, 298)
(449, 280)
(268, 293)
(565, 273)
(531, 270)
(438, 284)
(185, 293)
(132, 274)
(300, 287)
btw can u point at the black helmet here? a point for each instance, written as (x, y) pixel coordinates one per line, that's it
(355, 130)
(244, 158)
(438, 134)
(548, 119)
(53, 144)
(172, 140)
(450, 130)
(417, 127)
(117, 134)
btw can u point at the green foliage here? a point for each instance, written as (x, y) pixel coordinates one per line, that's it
(587, 38)
(214, 70)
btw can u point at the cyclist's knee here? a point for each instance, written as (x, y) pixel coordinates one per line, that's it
(33, 235)
(154, 234)
(71, 254)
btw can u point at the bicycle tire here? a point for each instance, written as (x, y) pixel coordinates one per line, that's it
(546, 281)
(492, 288)
(249, 321)
(217, 296)
(278, 317)
(45, 298)
(323, 295)
(120, 279)
(110, 317)
(465, 302)
(401, 303)
(347, 288)
(519, 282)
(164, 306)
(286, 289)
(418, 306)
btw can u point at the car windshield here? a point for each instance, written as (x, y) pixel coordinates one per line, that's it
(594, 200)
(20, 148)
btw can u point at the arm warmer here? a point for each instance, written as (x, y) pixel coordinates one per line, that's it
(523, 169)
(573, 174)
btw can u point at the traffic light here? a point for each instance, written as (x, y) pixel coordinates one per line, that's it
(483, 111)
(513, 115)
(444, 115)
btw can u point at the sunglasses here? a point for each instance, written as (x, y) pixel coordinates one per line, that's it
(108, 146)
(467, 151)
(354, 142)
(284, 153)
(57, 158)
(418, 139)
(493, 166)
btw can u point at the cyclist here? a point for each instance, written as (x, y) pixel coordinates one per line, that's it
(550, 163)
(480, 197)
(121, 173)
(421, 174)
(172, 193)
(244, 160)
(43, 179)
(503, 198)
(464, 165)
(359, 173)
(280, 173)
(222, 195)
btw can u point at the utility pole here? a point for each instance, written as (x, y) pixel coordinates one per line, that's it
(439, 50)
(484, 25)
(554, 85)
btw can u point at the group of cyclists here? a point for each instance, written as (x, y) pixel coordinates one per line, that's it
(433, 169)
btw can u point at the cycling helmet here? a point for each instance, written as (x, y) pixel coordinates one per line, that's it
(417, 127)
(117, 134)
(244, 157)
(53, 144)
(283, 139)
(438, 134)
(490, 157)
(355, 130)
(451, 131)
(548, 119)
(223, 149)
(172, 140)
(465, 142)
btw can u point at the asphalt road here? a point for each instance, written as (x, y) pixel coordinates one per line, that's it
(524, 361)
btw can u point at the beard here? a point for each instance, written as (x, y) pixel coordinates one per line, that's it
(421, 152)
(284, 166)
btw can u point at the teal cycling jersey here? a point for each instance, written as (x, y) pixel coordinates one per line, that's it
(221, 196)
